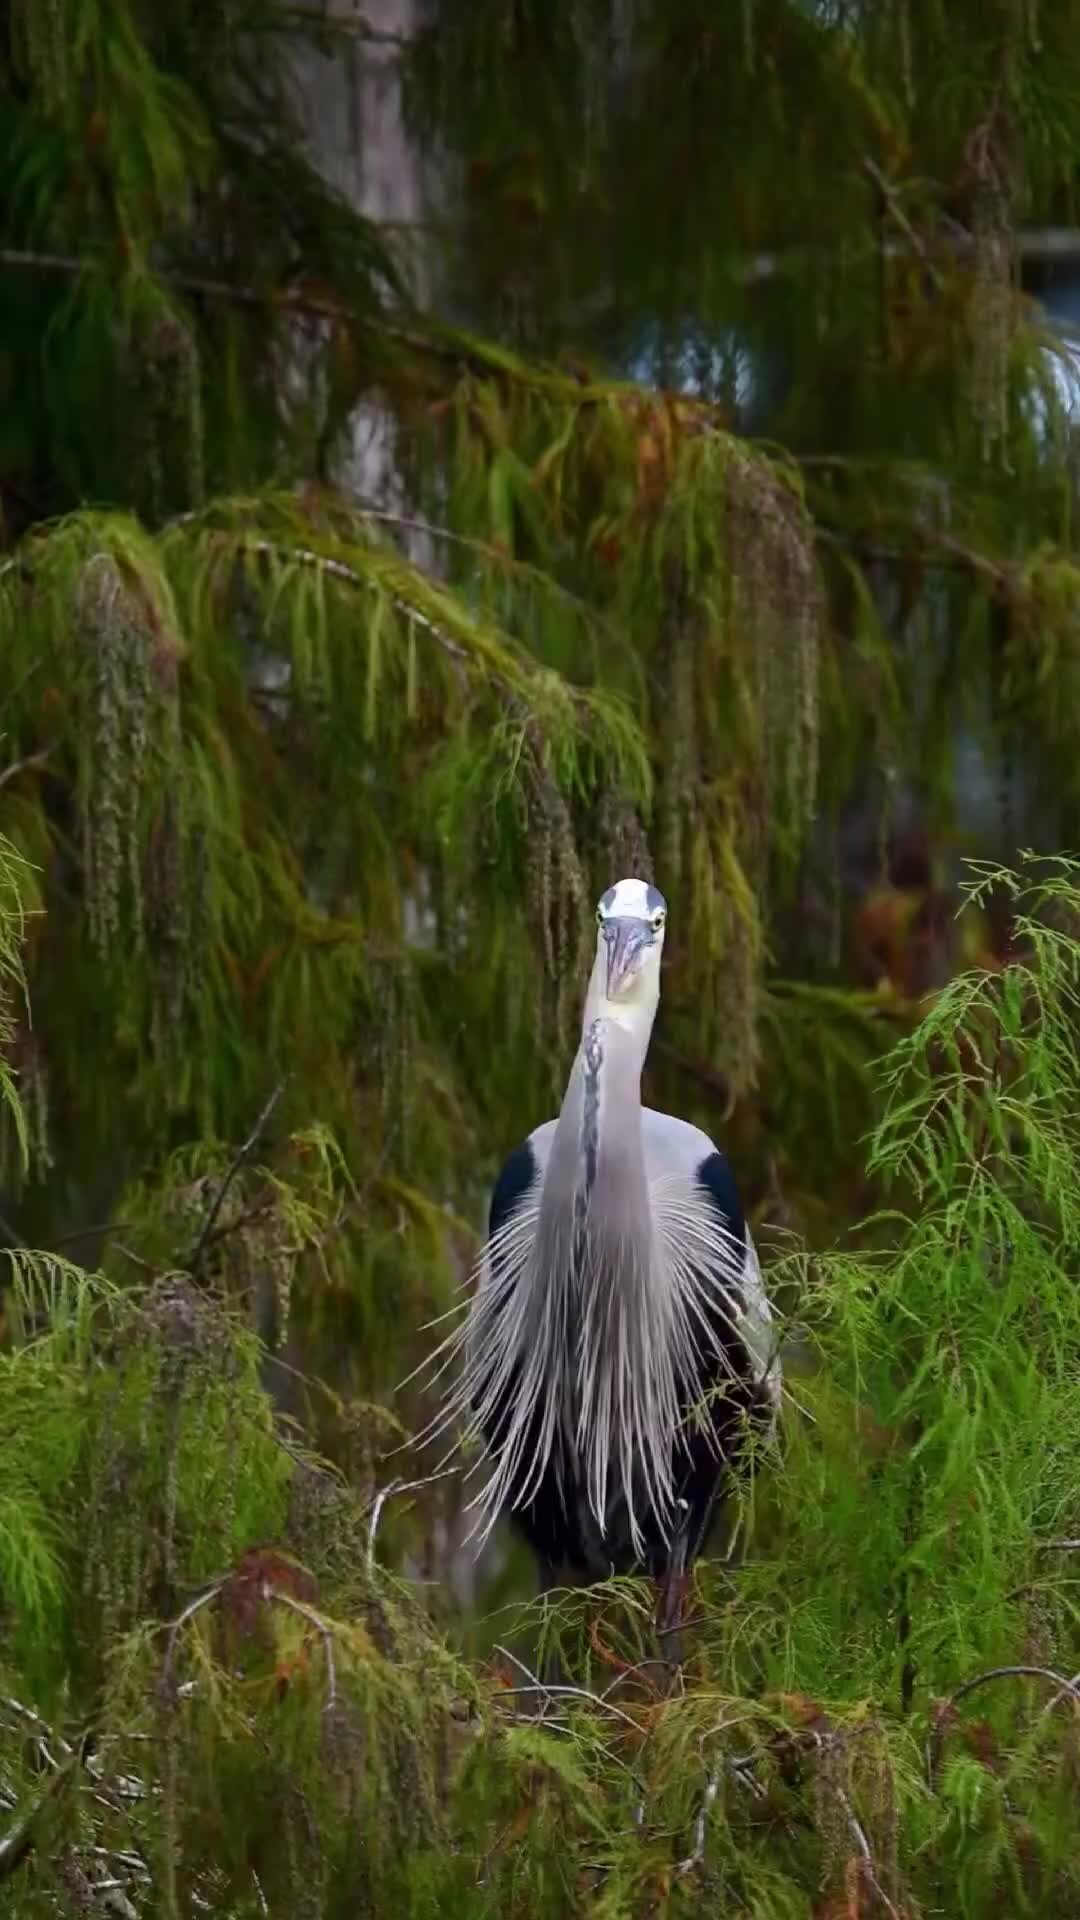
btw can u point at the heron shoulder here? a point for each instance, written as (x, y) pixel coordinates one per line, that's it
(519, 1174)
(673, 1146)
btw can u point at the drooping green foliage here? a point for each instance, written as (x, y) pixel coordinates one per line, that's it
(824, 219)
(876, 1713)
(738, 494)
(314, 782)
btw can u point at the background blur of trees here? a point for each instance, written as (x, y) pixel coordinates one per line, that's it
(450, 456)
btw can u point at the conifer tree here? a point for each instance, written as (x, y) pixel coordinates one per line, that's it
(737, 472)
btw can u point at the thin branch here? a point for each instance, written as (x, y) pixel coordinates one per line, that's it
(697, 1855)
(193, 1607)
(136, 1258)
(892, 201)
(682, 1626)
(288, 298)
(44, 1731)
(28, 760)
(88, 1233)
(1067, 1689)
(248, 1147)
(638, 1666)
(391, 1492)
(339, 570)
(870, 1874)
(19, 1839)
(554, 1691)
(307, 1613)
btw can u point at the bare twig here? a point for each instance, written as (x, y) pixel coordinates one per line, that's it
(193, 1607)
(88, 1233)
(390, 1493)
(235, 1165)
(37, 759)
(1067, 1689)
(19, 1839)
(682, 1626)
(206, 288)
(892, 201)
(870, 1874)
(697, 1855)
(554, 1691)
(135, 1258)
(308, 1613)
(41, 1726)
(638, 1666)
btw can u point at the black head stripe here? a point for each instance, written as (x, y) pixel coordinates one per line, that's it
(655, 901)
(607, 900)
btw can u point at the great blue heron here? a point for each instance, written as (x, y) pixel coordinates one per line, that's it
(619, 1345)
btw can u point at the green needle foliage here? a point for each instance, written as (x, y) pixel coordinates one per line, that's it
(321, 787)
(740, 485)
(877, 1714)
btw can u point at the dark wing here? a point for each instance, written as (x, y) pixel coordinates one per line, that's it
(513, 1183)
(704, 1459)
(716, 1177)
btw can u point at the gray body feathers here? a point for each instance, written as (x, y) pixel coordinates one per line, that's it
(619, 1338)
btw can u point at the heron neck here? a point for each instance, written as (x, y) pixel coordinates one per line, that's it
(597, 1151)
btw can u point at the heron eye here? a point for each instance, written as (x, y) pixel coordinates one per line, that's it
(657, 921)
(599, 916)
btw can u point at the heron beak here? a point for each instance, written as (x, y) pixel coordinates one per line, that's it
(625, 940)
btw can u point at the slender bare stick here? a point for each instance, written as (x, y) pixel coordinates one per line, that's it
(869, 1870)
(28, 760)
(1067, 1689)
(694, 1858)
(391, 1492)
(19, 1839)
(553, 1691)
(234, 1167)
(308, 1613)
(193, 1607)
(892, 200)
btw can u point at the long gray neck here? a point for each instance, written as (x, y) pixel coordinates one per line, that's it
(596, 1162)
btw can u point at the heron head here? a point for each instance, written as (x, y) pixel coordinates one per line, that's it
(630, 920)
